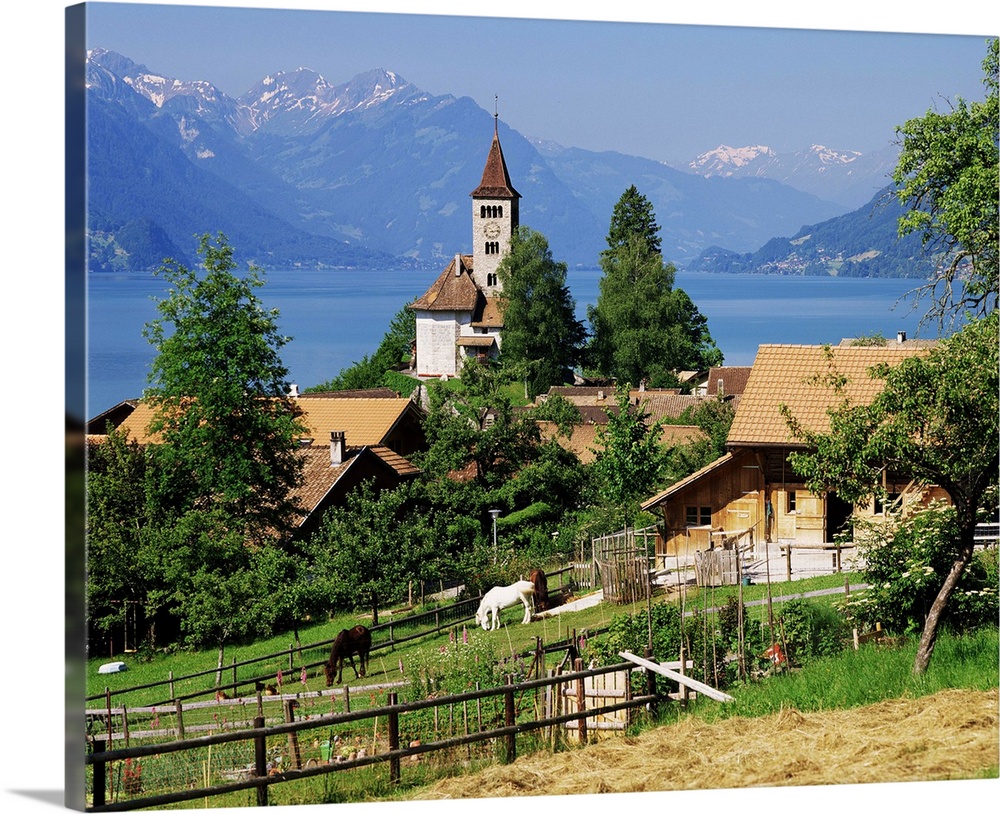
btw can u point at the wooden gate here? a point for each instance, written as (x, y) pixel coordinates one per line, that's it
(625, 561)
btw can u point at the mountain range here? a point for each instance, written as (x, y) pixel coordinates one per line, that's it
(374, 173)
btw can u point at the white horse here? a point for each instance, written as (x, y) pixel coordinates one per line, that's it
(504, 596)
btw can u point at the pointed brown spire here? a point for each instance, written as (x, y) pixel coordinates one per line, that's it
(496, 179)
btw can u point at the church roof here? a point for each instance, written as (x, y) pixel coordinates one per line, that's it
(488, 313)
(453, 290)
(496, 179)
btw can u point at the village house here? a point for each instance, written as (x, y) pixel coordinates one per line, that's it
(750, 496)
(350, 437)
(459, 317)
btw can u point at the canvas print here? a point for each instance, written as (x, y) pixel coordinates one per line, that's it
(484, 407)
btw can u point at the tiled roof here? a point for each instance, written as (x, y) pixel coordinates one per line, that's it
(668, 405)
(371, 393)
(496, 179)
(489, 313)
(781, 374)
(451, 291)
(585, 440)
(319, 476)
(364, 421)
(733, 379)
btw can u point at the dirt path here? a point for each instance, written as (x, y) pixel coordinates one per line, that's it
(947, 736)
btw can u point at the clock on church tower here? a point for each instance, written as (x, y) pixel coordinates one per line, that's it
(494, 217)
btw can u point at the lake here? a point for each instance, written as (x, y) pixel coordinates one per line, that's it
(336, 317)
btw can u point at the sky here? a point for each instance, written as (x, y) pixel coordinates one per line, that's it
(696, 92)
(654, 89)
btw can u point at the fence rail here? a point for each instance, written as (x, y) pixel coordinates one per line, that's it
(498, 714)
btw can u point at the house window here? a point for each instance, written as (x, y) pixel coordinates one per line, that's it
(790, 502)
(698, 515)
(482, 211)
(492, 247)
(491, 279)
(890, 500)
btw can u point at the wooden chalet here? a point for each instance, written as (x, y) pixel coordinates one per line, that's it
(751, 496)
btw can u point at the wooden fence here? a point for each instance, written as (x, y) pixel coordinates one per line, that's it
(260, 756)
(431, 622)
(625, 560)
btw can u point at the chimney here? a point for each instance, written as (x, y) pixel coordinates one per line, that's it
(720, 388)
(337, 448)
(458, 265)
(900, 337)
(293, 391)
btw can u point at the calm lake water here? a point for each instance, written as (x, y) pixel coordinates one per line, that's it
(336, 317)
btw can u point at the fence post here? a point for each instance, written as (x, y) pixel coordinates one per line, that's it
(788, 561)
(100, 776)
(291, 655)
(180, 719)
(260, 760)
(508, 719)
(581, 701)
(293, 737)
(235, 687)
(651, 680)
(171, 679)
(393, 739)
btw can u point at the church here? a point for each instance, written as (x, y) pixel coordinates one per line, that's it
(459, 316)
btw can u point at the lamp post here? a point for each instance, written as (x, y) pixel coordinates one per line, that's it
(494, 513)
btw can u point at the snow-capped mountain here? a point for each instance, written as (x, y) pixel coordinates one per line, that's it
(847, 177)
(299, 171)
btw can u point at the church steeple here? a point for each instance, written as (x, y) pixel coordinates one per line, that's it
(494, 216)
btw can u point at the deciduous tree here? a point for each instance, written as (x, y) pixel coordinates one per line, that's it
(935, 421)
(947, 176)
(229, 433)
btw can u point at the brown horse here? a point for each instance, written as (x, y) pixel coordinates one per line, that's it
(538, 579)
(349, 643)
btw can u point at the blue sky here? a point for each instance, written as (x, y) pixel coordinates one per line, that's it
(655, 89)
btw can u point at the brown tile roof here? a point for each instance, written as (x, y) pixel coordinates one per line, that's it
(781, 375)
(364, 421)
(665, 405)
(476, 341)
(371, 393)
(451, 291)
(404, 468)
(585, 439)
(496, 179)
(319, 477)
(488, 313)
(733, 380)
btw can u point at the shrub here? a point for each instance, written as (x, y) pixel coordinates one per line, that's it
(906, 561)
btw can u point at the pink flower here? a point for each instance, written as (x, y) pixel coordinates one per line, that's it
(465, 635)
(303, 676)
(279, 678)
(401, 667)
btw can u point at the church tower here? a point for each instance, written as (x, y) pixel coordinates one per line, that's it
(494, 218)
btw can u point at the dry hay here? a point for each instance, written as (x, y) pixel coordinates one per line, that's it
(950, 735)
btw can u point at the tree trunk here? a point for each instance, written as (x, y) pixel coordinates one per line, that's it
(929, 635)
